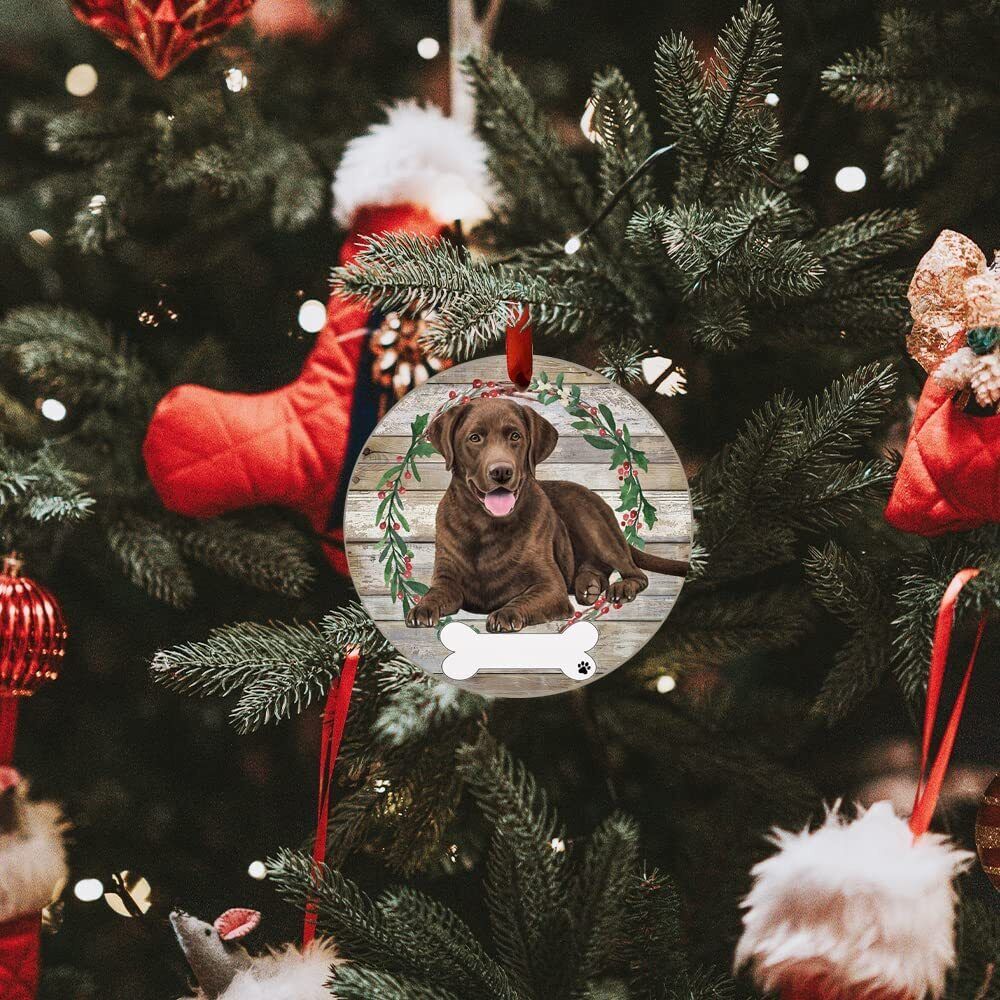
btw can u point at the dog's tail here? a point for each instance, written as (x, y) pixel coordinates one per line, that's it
(657, 564)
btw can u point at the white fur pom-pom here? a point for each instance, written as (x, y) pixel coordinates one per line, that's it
(856, 908)
(285, 974)
(32, 860)
(417, 156)
(955, 372)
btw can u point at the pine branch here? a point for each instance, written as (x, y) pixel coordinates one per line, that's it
(527, 159)
(71, 355)
(527, 892)
(356, 982)
(605, 892)
(37, 486)
(236, 657)
(151, 559)
(269, 554)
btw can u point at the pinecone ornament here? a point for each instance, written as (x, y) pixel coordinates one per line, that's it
(400, 360)
(985, 380)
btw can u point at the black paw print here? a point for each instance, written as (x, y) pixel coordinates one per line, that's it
(583, 668)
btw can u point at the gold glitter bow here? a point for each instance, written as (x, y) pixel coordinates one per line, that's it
(952, 291)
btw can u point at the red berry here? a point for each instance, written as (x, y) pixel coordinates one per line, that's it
(605, 610)
(381, 494)
(399, 458)
(621, 479)
(382, 525)
(477, 383)
(622, 523)
(618, 605)
(626, 466)
(409, 475)
(395, 527)
(491, 384)
(603, 433)
(465, 399)
(452, 394)
(593, 411)
(402, 490)
(576, 614)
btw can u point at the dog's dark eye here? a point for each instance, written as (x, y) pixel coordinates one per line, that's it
(514, 436)
(475, 438)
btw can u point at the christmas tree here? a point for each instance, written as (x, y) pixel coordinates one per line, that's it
(714, 235)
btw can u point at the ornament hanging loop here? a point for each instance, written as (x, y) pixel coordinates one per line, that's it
(932, 772)
(519, 350)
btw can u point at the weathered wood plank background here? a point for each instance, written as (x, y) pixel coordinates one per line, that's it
(622, 632)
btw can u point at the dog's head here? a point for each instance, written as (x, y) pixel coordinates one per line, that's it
(493, 446)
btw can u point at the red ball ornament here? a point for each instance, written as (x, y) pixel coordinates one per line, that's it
(32, 644)
(32, 632)
(161, 33)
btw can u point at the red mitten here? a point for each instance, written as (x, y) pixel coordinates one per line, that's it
(949, 479)
(32, 868)
(210, 452)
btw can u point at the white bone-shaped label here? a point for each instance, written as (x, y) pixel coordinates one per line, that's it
(473, 651)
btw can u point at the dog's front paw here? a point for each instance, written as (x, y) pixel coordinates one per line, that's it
(505, 620)
(625, 590)
(426, 614)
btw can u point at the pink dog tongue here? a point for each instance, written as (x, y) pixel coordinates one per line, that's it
(500, 502)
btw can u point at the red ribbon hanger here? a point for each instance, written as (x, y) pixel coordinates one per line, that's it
(8, 727)
(932, 775)
(338, 703)
(519, 351)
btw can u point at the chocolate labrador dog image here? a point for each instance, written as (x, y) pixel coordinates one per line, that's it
(510, 546)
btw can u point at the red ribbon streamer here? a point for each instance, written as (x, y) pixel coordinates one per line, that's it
(338, 702)
(929, 785)
(8, 727)
(519, 351)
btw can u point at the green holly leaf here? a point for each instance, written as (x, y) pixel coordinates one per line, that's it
(639, 459)
(386, 500)
(403, 521)
(608, 415)
(423, 449)
(607, 444)
(648, 513)
(582, 425)
(626, 435)
(418, 587)
(559, 379)
(419, 424)
(389, 473)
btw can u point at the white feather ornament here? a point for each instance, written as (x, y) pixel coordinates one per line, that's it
(855, 910)
(285, 974)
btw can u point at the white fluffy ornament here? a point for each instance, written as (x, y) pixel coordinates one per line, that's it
(418, 156)
(285, 974)
(855, 910)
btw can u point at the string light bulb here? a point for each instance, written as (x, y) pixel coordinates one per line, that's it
(312, 315)
(88, 890)
(800, 162)
(558, 845)
(572, 245)
(81, 80)
(257, 870)
(53, 410)
(850, 179)
(772, 99)
(236, 79)
(665, 683)
(428, 48)
(41, 236)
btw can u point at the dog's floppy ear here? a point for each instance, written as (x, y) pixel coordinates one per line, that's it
(441, 433)
(542, 437)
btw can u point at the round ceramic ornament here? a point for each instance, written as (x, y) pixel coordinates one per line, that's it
(518, 542)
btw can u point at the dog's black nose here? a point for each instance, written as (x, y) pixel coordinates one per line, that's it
(501, 472)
